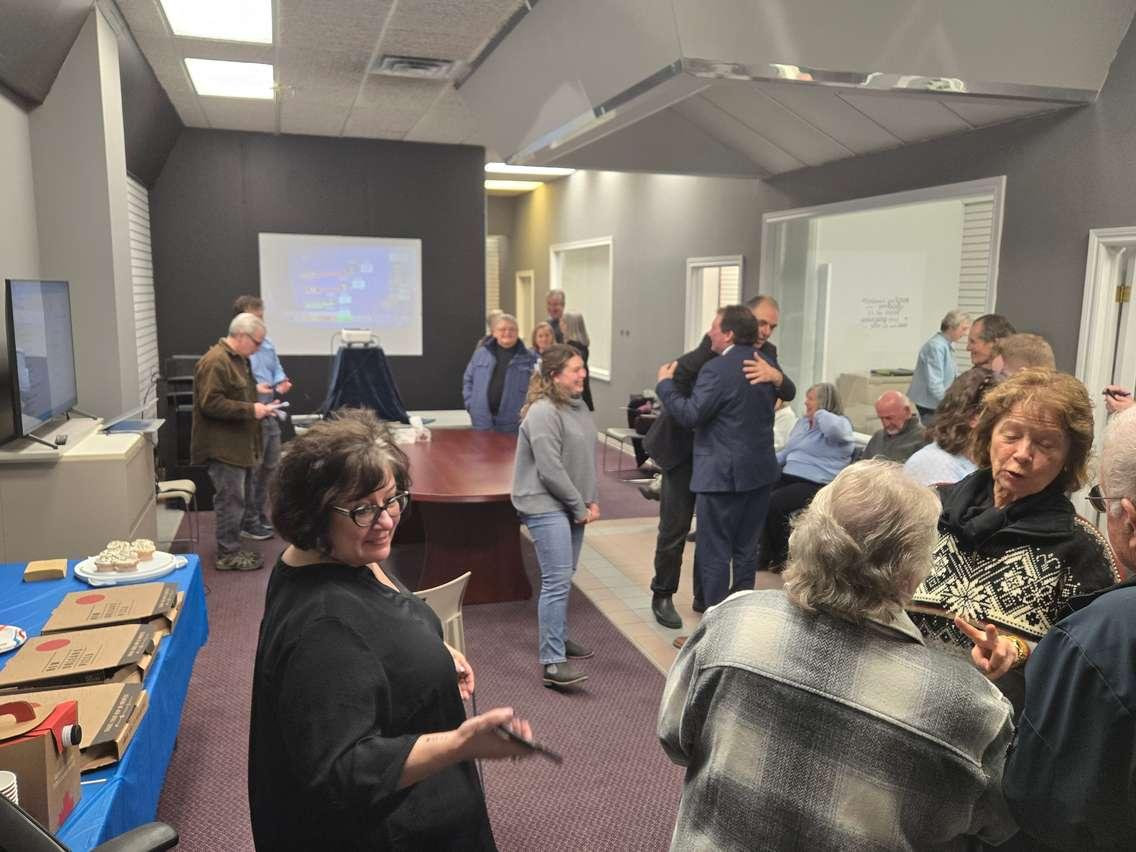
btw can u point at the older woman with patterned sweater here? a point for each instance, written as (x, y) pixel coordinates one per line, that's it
(1011, 548)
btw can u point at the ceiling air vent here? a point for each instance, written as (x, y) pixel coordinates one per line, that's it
(413, 66)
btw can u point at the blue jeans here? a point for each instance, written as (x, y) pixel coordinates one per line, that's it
(256, 513)
(558, 542)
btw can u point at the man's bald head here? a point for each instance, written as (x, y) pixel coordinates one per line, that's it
(894, 410)
(1118, 480)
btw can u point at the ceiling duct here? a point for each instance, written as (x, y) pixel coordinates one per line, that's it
(419, 67)
(741, 87)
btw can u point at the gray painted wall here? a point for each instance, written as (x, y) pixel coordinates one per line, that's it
(656, 222)
(79, 163)
(1065, 174)
(19, 243)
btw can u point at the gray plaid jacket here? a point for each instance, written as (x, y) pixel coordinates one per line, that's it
(804, 731)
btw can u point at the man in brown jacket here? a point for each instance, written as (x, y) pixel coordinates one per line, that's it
(226, 432)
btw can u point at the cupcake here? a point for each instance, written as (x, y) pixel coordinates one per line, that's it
(105, 561)
(143, 548)
(126, 562)
(116, 545)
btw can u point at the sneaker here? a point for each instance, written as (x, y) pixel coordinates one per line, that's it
(562, 674)
(257, 533)
(267, 525)
(576, 651)
(242, 560)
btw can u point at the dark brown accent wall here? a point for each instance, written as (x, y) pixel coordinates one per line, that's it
(220, 189)
(1066, 173)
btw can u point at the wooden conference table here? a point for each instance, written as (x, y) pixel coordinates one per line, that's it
(460, 511)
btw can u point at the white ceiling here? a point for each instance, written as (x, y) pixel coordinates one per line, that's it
(321, 54)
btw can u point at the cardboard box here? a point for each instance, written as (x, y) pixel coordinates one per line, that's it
(157, 604)
(35, 744)
(118, 654)
(109, 714)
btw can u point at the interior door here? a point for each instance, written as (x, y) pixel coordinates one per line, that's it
(524, 285)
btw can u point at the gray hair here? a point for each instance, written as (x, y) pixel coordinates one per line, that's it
(864, 544)
(558, 293)
(491, 318)
(1118, 459)
(572, 325)
(903, 400)
(828, 398)
(248, 324)
(761, 300)
(953, 320)
(503, 317)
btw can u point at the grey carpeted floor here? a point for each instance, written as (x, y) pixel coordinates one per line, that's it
(615, 790)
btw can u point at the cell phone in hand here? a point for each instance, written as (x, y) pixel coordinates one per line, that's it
(532, 745)
(1117, 394)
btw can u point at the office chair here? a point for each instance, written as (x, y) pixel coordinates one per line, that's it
(19, 832)
(446, 601)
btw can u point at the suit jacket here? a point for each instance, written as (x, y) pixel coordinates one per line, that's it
(670, 443)
(733, 423)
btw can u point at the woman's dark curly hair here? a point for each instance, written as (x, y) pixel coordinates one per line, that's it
(335, 461)
(961, 405)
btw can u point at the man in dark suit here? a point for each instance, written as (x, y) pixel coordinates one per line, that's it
(734, 463)
(671, 446)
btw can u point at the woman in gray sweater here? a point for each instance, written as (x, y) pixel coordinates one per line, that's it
(554, 491)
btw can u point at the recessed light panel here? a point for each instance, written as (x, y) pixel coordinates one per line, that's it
(506, 169)
(513, 185)
(224, 79)
(222, 20)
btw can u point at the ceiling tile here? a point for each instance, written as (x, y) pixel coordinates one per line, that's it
(312, 118)
(912, 118)
(454, 16)
(734, 134)
(143, 16)
(462, 46)
(240, 114)
(979, 113)
(784, 128)
(331, 24)
(820, 107)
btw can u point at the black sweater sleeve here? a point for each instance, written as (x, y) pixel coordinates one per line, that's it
(333, 702)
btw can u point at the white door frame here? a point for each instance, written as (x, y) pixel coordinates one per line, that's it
(555, 252)
(696, 264)
(1100, 313)
(525, 279)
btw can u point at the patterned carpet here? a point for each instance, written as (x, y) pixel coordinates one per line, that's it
(615, 790)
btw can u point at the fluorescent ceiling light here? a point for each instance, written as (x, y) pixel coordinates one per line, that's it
(506, 169)
(223, 20)
(514, 185)
(224, 79)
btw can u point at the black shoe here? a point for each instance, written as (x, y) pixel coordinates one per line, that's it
(576, 651)
(649, 492)
(664, 612)
(698, 606)
(258, 533)
(562, 674)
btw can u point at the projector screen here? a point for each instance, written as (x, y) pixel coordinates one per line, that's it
(313, 286)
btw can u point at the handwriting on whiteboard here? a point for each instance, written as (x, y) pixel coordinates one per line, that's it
(885, 312)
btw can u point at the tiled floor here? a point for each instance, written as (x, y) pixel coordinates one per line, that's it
(616, 566)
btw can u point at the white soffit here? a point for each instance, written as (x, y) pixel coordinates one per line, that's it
(783, 83)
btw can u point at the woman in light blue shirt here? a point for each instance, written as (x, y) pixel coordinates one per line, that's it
(819, 447)
(947, 458)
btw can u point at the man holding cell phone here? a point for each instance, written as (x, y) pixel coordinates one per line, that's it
(1117, 399)
(270, 382)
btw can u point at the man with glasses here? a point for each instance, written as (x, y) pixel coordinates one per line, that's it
(226, 432)
(1070, 779)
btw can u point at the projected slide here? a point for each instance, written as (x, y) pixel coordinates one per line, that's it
(313, 286)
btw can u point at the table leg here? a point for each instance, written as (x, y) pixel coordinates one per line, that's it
(484, 538)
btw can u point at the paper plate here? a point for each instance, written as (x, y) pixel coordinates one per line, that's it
(157, 566)
(11, 637)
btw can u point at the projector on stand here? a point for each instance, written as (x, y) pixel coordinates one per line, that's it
(358, 337)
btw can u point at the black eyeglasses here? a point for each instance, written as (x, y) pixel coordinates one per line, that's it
(365, 516)
(1098, 500)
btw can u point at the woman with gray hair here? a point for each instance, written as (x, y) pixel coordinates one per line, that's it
(892, 746)
(819, 447)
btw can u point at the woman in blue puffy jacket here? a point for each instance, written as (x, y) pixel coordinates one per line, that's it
(497, 379)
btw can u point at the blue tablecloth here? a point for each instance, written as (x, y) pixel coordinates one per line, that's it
(123, 795)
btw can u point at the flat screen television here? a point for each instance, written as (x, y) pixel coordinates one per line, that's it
(40, 353)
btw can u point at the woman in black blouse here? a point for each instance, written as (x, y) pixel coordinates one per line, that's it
(359, 738)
